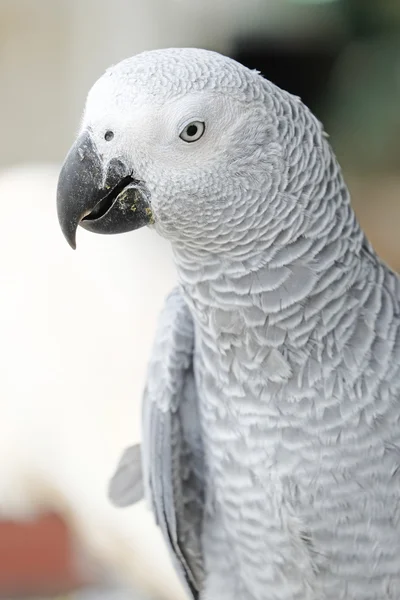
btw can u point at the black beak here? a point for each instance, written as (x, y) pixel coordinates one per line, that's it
(114, 203)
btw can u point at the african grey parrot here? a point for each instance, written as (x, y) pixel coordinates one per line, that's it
(271, 438)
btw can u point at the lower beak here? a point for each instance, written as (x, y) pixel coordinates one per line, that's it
(111, 202)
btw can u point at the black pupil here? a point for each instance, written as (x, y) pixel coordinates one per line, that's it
(108, 135)
(192, 130)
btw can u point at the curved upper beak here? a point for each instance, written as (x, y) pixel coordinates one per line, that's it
(102, 202)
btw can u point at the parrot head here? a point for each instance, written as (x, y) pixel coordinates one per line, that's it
(186, 141)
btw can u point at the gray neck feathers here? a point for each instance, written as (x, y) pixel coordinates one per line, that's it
(310, 311)
(302, 258)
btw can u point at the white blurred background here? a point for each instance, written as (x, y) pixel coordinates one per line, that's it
(76, 328)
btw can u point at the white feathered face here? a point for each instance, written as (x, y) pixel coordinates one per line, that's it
(198, 136)
(182, 150)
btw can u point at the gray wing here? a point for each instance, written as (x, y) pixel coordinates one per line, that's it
(172, 455)
(126, 485)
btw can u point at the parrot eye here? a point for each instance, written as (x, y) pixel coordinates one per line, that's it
(108, 136)
(193, 131)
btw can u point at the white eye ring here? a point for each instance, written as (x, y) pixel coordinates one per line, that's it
(193, 131)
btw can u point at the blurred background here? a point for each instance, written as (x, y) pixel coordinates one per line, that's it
(76, 329)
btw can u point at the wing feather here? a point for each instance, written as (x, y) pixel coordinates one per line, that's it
(172, 455)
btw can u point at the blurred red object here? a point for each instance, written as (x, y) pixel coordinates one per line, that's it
(37, 557)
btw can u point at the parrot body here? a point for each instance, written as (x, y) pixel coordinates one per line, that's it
(271, 435)
(301, 446)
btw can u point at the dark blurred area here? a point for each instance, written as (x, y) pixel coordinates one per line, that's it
(304, 70)
(349, 77)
